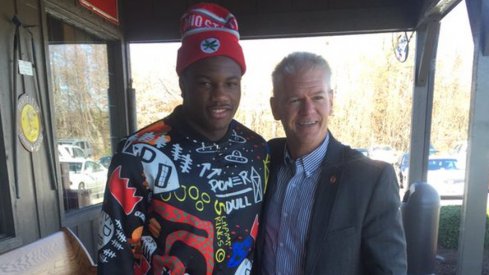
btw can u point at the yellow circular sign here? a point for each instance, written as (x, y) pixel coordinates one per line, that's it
(30, 123)
(29, 126)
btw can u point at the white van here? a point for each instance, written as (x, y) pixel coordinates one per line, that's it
(80, 143)
(67, 152)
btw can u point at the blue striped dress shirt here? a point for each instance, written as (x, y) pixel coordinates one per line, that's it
(289, 210)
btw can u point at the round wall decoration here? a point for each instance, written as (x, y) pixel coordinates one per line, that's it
(29, 126)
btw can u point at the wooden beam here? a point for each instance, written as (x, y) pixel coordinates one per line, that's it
(422, 103)
(485, 28)
(478, 12)
(326, 22)
(82, 19)
(428, 53)
(473, 218)
(149, 28)
(435, 10)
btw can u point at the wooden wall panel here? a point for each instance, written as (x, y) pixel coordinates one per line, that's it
(35, 211)
(36, 176)
(26, 222)
(6, 167)
(37, 166)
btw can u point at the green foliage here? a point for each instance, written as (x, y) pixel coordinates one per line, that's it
(449, 227)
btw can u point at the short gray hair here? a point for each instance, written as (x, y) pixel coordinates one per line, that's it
(297, 62)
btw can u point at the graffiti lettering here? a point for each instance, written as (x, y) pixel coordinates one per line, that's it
(230, 182)
(219, 207)
(222, 231)
(238, 203)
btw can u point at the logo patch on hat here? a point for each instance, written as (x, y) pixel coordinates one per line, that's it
(210, 45)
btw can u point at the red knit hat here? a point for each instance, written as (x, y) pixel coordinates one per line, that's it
(208, 30)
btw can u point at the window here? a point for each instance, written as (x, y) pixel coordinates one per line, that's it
(80, 83)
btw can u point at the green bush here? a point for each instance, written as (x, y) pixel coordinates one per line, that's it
(449, 227)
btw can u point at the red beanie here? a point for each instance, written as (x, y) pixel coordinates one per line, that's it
(208, 30)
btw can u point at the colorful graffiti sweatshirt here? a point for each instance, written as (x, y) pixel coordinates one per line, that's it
(177, 203)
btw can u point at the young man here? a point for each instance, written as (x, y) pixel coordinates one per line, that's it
(184, 193)
(329, 209)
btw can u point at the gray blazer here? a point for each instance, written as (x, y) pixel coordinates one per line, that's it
(355, 225)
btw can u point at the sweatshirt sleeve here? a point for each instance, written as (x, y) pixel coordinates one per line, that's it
(123, 215)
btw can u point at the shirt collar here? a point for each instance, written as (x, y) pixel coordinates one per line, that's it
(310, 162)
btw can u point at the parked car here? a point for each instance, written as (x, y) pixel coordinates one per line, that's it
(383, 152)
(66, 152)
(460, 147)
(432, 150)
(402, 167)
(105, 161)
(446, 176)
(81, 143)
(86, 174)
(460, 152)
(364, 151)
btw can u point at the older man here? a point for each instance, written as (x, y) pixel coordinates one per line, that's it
(329, 209)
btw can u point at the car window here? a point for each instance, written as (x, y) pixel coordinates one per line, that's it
(437, 164)
(93, 167)
(433, 165)
(78, 153)
(75, 167)
(80, 144)
(405, 160)
(97, 167)
(63, 152)
(450, 164)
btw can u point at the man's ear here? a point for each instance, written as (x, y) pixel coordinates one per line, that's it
(331, 100)
(275, 108)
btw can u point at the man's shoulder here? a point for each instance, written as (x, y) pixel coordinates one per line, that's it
(358, 162)
(149, 134)
(354, 157)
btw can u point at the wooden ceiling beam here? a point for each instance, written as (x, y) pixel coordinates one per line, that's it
(147, 28)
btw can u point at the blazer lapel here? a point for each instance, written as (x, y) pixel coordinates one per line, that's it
(324, 202)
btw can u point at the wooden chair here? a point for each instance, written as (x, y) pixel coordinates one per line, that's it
(59, 253)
